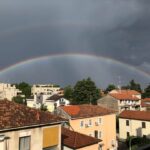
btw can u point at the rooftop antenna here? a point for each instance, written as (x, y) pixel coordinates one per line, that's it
(119, 83)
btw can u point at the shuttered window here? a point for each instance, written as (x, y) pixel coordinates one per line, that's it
(24, 143)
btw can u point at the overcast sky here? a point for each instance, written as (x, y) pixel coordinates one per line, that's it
(119, 29)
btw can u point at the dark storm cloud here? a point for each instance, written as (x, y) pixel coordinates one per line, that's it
(116, 28)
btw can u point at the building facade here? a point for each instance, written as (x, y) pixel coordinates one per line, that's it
(23, 128)
(72, 140)
(46, 89)
(93, 121)
(134, 123)
(49, 101)
(120, 100)
(8, 91)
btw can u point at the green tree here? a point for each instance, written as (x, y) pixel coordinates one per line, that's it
(25, 88)
(146, 93)
(85, 92)
(110, 88)
(68, 92)
(19, 100)
(135, 86)
(43, 107)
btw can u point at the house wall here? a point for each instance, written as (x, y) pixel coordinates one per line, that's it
(134, 128)
(107, 127)
(36, 134)
(108, 102)
(8, 91)
(91, 147)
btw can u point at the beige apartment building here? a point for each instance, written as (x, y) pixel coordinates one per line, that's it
(8, 91)
(134, 123)
(23, 128)
(46, 89)
(120, 100)
(94, 121)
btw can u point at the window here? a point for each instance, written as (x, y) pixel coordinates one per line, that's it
(128, 134)
(127, 122)
(99, 120)
(96, 134)
(81, 124)
(143, 125)
(90, 122)
(100, 147)
(100, 134)
(24, 143)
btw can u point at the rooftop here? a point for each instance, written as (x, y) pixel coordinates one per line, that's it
(135, 115)
(54, 97)
(13, 115)
(77, 140)
(85, 111)
(145, 102)
(125, 94)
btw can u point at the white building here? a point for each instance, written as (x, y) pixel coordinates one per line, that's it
(8, 91)
(51, 101)
(46, 89)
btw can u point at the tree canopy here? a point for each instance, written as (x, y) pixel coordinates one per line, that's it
(146, 93)
(133, 86)
(110, 88)
(85, 92)
(25, 88)
(68, 92)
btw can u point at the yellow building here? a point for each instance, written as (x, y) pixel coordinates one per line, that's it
(94, 121)
(23, 128)
(134, 123)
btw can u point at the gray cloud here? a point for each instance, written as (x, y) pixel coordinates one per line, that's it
(114, 28)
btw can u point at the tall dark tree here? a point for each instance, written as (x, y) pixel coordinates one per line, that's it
(85, 92)
(146, 93)
(110, 88)
(25, 88)
(135, 86)
(68, 92)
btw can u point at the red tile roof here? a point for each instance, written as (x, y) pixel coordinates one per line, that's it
(84, 111)
(130, 92)
(125, 95)
(75, 140)
(13, 115)
(145, 102)
(120, 96)
(135, 115)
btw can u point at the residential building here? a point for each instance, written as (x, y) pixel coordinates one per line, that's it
(46, 89)
(50, 101)
(24, 128)
(120, 100)
(145, 104)
(92, 120)
(8, 91)
(134, 123)
(72, 140)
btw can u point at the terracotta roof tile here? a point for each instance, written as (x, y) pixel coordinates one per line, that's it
(136, 115)
(81, 111)
(77, 140)
(13, 115)
(125, 94)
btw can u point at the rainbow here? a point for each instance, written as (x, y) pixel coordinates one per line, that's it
(88, 55)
